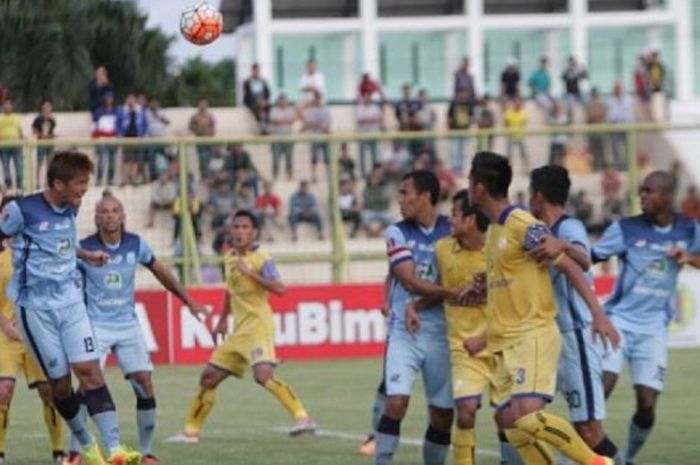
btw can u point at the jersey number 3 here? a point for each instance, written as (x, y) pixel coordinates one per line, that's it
(89, 344)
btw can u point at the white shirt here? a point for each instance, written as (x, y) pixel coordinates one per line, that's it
(371, 111)
(316, 80)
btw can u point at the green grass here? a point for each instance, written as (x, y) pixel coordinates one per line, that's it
(339, 395)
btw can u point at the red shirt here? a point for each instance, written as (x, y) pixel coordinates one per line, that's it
(265, 201)
(368, 86)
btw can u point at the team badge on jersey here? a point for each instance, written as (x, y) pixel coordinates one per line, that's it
(131, 258)
(113, 280)
(65, 247)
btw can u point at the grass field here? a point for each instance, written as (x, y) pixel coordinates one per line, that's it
(245, 426)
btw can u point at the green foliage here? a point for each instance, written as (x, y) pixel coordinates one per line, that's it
(197, 79)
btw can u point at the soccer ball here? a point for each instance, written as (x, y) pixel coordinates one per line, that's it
(201, 23)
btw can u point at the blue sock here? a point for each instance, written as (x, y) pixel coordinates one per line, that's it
(387, 440)
(509, 456)
(377, 410)
(146, 422)
(69, 408)
(638, 434)
(75, 445)
(436, 446)
(101, 408)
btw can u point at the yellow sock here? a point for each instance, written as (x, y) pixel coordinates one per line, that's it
(199, 410)
(463, 445)
(559, 433)
(283, 392)
(4, 418)
(532, 451)
(54, 423)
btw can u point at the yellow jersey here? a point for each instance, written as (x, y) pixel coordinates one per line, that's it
(456, 267)
(249, 300)
(10, 126)
(515, 122)
(6, 306)
(520, 295)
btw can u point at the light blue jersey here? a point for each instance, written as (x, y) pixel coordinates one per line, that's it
(572, 311)
(43, 253)
(643, 300)
(109, 289)
(406, 240)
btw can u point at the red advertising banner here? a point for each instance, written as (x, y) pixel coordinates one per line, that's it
(311, 322)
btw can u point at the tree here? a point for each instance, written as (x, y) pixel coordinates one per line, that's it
(197, 79)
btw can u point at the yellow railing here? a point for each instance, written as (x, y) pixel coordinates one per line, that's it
(191, 261)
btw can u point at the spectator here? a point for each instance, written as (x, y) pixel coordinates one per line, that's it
(448, 180)
(540, 84)
(610, 182)
(282, 118)
(105, 127)
(349, 207)
(573, 76)
(596, 113)
(582, 209)
(510, 82)
(239, 167)
(317, 120)
(312, 83)
(194, 206)
(690, 206)
(97, 89)
(464, 80)
(459, 117)
(368, 118)
(424, 121)
(203, 124)
(620, 111)
(515, 121)
(656, 72)
(245, 199)
(303, 207)
(221, 204)
(612, 209)
(642, 88)
(256, 96)
(558, 141)
(369, 86)
(132, 122)
(396, 161)
(11, 129)
(346, 164)
(43, 129)
(405, 109)
(158, 159)
(375, 204)
(485, 119)
(269, 206)
(163, 195)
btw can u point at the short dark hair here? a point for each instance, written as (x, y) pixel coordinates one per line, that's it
(664, 179)
(64, 165)
(553, 182)
(247, 214)
(493, 171)
(462, 196)
(425, 181)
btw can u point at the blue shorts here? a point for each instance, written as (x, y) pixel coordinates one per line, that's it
(580, 375)
(58, 338)
(127, 344)
(428, 353)
(647, 355)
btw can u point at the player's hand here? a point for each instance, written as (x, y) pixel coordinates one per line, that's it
(549, 248)
(11, 331)
(474, 345)
(680, 255)
(385, 310)
(602, 328)
(198, 311)
(95, 257)
(220, 330)
(472, 296)
(412, 319)
(244, 267)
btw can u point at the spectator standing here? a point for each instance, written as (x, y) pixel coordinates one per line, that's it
(256, 96)
(11, 129)
(163, 195)
(97, 89)
(132, 123)
(43, 128)
(317, 120)
(303, 207)
(105, 127)
(540, 83)
(459, 117)
(375, 204)
(405, 109)
(269, 206)
(312, 82)
(464, 80)
(485, 119)
(596, 113)
(349, 207)
(642, 88)
(368, 118)
(158, 159)
(510, 82)
(424, 121)
(574, 76)
(558, 140)
(282, 118)
(203, 124)
(690, 205)
(369, 86)
(656, 72)
(620, 111)
(346, 164)
(515, 120)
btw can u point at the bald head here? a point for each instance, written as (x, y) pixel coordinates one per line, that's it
(109, 215)
(662, 180)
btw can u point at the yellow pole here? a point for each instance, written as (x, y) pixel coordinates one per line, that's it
(633, 172)
(184, 217)
(27, 166)
(339, 257)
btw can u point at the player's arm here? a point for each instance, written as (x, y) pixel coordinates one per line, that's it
(168, 280)
(690, 256)
(11, 220)
(550, 247)
(601, 325)
(221, 327)
(268, 278)
(9, 328)
(406, 274)
(609, 245)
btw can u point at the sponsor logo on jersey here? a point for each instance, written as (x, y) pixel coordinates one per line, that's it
(113, 280)
(65, 247)
(131, 258)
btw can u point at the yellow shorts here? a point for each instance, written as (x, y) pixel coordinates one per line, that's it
(529, 367)
(472, 375)
(16, 358)
(243, 349)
